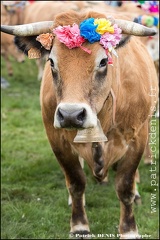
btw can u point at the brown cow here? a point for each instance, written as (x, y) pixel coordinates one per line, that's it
(79, 90)
(8, 47)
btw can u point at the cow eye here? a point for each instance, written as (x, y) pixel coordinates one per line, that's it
(51, 62)
(103, 62)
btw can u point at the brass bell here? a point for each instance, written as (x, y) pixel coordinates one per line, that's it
(95, 134)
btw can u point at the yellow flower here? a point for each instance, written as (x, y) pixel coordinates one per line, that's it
(103, 26)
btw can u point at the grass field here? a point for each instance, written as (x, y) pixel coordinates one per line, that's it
(33, 192)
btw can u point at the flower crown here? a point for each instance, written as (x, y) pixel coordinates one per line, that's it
(94, 30)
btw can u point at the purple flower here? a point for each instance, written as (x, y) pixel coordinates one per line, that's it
(111, 40)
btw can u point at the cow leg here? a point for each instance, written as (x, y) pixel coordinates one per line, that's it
(125, 186)
(137, 199)
(75, 181)
(81, 160)
(125, 190)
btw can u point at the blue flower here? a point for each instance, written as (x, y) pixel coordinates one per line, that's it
(88, 30)
(156, 20)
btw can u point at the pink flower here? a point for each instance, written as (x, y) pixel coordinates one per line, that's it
(111, 40)
(70, 36)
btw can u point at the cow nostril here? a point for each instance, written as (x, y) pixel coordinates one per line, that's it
(81, 116)
(60, 115)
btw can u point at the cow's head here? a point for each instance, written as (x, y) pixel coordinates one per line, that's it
(82, 81)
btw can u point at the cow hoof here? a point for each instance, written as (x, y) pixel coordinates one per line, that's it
(138, 200)
(80, 235)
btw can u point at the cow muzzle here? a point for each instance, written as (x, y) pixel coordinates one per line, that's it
(74, 116)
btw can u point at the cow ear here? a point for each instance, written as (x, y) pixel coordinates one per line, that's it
(124, 40)
(30, 46)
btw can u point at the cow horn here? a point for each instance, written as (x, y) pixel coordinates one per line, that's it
(37, 28)
(30, 29)
(133, 28)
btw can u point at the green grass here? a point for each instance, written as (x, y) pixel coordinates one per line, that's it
(33, 192)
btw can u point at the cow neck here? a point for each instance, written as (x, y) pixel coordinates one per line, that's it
(109, 106)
